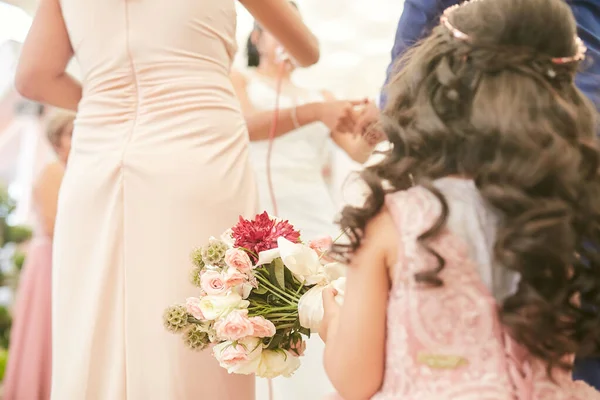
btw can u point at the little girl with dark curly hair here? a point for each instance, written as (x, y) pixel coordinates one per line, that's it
(480, 237)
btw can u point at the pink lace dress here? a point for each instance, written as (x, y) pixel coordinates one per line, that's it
(447, 343)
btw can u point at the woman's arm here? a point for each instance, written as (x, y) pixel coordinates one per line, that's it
(284, 22)
(44, 58)
(355, 334)
(45, 195)
(333, 114)
(353, 144)
(259, 122)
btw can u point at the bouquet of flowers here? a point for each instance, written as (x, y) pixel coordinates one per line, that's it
(259, 296)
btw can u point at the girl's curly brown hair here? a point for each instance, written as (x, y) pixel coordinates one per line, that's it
(498, 110)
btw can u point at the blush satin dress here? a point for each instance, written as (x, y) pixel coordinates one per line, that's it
(159, 163)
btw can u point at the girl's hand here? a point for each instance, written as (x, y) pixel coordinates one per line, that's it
(331, 311)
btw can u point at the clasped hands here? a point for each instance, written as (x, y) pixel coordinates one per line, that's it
(359, 118)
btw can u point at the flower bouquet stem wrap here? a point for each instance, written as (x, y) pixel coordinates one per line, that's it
(310, 306)
(259, 296)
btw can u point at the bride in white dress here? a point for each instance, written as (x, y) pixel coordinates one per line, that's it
(308, 122)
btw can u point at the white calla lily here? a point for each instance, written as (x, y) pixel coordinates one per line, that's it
(267, 257)
(334, 270)
(302, 261)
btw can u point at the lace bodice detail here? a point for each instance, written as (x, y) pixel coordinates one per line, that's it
(447, 343)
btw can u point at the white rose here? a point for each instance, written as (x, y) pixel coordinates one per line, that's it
(274, 363)
(216, 306)
(302, 261)
(241, 358)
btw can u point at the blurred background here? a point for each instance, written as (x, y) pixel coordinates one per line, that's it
(356, 38)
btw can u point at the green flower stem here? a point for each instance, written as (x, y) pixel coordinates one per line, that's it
(284, 322)
(342, 233)
(270, 314)
(287, 318)
(288, 312)
(278, 295)
(299, 290)
(273, 309)
(275, 289)
(281, 316)
(285, 326)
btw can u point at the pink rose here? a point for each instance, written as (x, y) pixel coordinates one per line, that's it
(233, 354)
(321, 245)
(235, 326)
(192, 304)
(233, 277)
(262, 327)
(239, 260)
(242, 357)
(298, 347)
(212, 282)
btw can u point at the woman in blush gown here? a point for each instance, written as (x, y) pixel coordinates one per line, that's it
(159, 162)
(28, 371)
(309, 121)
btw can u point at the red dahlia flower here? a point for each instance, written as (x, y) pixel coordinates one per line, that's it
(262, 233)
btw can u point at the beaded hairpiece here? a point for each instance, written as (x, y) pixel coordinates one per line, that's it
(458, 34)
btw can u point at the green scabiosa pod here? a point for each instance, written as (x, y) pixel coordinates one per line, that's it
(214, 253)
(176, 318)
(195, 276)
(196, 338)
(196, 257)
